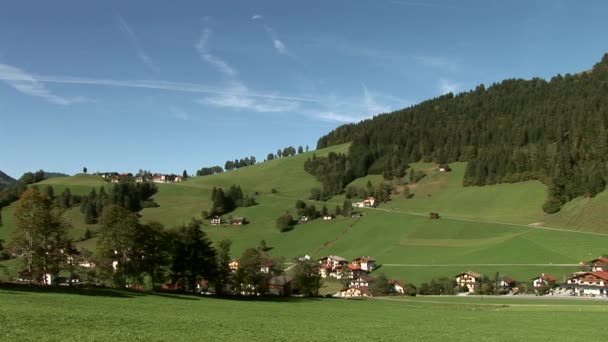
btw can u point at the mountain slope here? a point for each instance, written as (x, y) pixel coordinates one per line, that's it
(6, 180)
(516, 130)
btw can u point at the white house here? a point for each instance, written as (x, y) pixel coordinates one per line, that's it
(588, 284)
(396, 286)
(361, 281)
(469, 280)
(355, 293)
(365, 263)
(543, 280)
(332, 266)
(367, 202)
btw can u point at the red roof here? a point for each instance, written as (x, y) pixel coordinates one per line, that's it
(598, 274)
(598, 262)
(354, 267)
(546, 277)
(396, 282)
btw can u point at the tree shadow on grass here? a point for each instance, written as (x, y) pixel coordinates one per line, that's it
(83, 291)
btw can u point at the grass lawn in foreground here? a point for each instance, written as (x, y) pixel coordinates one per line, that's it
(107, 315)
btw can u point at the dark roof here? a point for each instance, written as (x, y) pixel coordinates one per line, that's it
(280, 280)
(470, 273)
(546, 277)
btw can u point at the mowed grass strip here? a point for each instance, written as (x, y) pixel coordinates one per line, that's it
(122, 316)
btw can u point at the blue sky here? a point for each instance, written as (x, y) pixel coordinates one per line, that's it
(168, 86)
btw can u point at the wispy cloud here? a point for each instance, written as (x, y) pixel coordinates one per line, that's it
(14, 77)
(256, 17)
(274, 37)
(218, 63)
(372, 106)
(237, 96)
(330, 116)
(179, 113)
(447, 86)
(437, 62)
(28, 84)
(143, 56)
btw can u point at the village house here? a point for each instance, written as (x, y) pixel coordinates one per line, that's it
(303, 219)
(363, 280)
(366, 203)
(139, 179)
(238, 221)
(543, 281)
(356, 214)
(234, 265)
(444, 168)
(598, 264)
(593, 284)
(361, 292)
(280, 285)
(328, 217)
(332, 266)
(508, 285)
(365, 263)
(396, 286)
(216, 221)
(469, 280)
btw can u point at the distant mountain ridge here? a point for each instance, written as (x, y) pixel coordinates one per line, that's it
(6, 180)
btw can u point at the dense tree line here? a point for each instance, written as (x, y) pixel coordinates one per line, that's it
(129, 195)
(239, 163)
(286, 152)
(516, 130)
(207, 171)
(225, 202)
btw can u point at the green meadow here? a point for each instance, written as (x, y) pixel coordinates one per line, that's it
(103, 315)
(499, 228)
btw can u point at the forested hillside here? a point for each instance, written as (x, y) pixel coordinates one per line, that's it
(6, 180)
(516, 130)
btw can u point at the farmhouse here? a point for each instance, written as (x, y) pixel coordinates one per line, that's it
(361, 281)
(543, 281)
(365, 263)
(216, 221)
(328, 217)
(469, 280)
(507, 284)
(303, 219)
(598, 264)
(162, 178)
(444, 168)
(366, 203)
(355, 292)
(238, 221)
(588, 284)
(280, 285)
(356, 214)
(331, 266)
(396, 286)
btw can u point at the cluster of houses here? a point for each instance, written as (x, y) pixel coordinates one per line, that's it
(357, 273)
(591, 281)
(115, 177)
(233, 221)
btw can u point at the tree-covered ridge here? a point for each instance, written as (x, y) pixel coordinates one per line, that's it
(6, 180)
(553, 131)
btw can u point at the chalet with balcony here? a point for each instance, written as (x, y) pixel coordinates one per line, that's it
(469, 280)
(365, 263)
(598, 264)
(588, 284)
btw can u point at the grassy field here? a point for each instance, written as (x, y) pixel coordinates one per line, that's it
(103, 315)
(498, 228)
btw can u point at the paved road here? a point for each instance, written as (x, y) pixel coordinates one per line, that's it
(477, 265)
